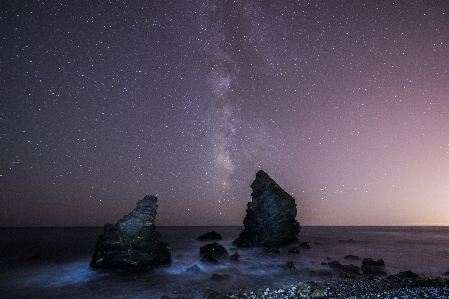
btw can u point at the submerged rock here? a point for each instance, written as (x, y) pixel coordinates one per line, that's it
(270, 216)
(133, 242)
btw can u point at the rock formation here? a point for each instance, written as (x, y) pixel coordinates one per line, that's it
(210, 236)
(214, 249)
(133, 242)
(270, 217)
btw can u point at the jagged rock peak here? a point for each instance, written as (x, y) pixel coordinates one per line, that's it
(133, 241)
(271, 216)
(142, 216)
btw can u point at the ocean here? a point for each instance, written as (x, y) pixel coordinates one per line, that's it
(54, 262)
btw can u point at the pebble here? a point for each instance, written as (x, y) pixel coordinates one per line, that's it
(366, 288)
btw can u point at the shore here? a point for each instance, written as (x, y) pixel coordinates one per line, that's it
(405, 285)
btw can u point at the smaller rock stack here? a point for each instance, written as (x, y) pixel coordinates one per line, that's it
(133, 242)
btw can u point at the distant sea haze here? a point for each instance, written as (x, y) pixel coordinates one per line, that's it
(54, 262)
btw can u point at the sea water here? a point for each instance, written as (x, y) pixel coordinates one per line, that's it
(54, 262)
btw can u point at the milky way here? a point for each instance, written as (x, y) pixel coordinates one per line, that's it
(345, 104)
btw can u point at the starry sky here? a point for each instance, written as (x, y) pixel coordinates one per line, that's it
(344, 103)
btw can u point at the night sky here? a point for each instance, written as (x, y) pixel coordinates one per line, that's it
(345, 104)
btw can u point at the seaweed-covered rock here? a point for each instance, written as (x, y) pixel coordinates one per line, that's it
(133, 242)
(270, 217)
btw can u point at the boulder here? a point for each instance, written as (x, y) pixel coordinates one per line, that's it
(373, 270)
(270, 217)
(304, 245)
(133, 241)
(335, 264)
(235, 257)
(193, 269)
(209, 259)
(371, 262)
(407, 274)
(346, 268)
(214, 249)
(290, 266)
(210, 236)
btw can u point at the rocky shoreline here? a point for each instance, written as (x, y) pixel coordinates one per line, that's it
(400, 286)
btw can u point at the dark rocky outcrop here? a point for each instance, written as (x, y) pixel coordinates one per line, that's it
(304, 245)
(209, 259)
(270, 216)
(290, 266)
(133, 242)
(193, 269)
(210, 236)
(235, 257)
(407, 274)
(372, 267)
(346, 268)
(373, 270)
(371, 262)
(211, 252)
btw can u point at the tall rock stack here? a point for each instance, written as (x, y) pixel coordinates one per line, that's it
(270, 217)
(133, 242)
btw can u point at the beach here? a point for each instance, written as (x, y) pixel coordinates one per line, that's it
(54, 263)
